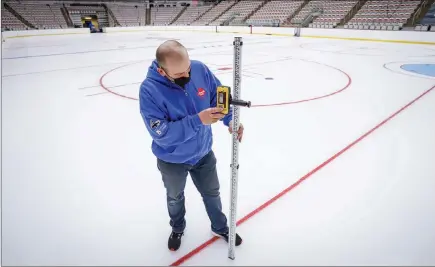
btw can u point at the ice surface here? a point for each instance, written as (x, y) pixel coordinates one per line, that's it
(80, 184)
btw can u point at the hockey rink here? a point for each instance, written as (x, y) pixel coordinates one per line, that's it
(342, 132)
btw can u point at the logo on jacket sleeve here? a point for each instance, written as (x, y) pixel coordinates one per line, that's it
(201, 92)
(158, 126)
(154, 124)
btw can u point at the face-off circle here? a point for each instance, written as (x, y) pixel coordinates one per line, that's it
(272, 80)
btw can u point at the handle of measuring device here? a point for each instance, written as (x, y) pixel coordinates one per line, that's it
(224, 99)
(241, 103)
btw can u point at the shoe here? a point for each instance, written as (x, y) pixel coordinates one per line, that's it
(174, 241)
(226, 237)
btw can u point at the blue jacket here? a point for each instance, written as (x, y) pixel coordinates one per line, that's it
(170, 114)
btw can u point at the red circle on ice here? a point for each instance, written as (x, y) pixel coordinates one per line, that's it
(349, 81)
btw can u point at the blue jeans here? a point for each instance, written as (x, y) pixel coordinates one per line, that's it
(204, 176)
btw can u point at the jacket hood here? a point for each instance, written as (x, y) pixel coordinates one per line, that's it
(154, 75)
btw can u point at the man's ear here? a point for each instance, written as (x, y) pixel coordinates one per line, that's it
(161, 71)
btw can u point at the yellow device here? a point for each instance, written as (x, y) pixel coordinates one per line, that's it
(223, 98)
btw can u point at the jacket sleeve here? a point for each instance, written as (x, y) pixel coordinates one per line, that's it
(214, 83)
(163, 131)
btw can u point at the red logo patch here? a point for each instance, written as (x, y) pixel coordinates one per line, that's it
(201, 92)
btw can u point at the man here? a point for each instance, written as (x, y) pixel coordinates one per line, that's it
(178, 105)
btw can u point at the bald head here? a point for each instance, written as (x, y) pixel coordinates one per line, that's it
(173, 60)
(170, 52)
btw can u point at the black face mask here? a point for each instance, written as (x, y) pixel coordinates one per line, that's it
(182, 81)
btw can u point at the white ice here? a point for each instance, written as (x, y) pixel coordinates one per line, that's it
(80, 184)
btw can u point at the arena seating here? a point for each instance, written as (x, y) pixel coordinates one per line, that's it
(41, 15)
(240, 10)
(129, 15)
(213, 13)
(383, 15)
(374, 14)
(191, 14)
(164, 15)
(333, 12)
(275, 10)
(10, 22)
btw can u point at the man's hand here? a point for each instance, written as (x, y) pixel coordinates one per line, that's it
(211, 115)
(239, 132)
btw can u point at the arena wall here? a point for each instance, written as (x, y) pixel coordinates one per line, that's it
(412, 37)
(32, 33)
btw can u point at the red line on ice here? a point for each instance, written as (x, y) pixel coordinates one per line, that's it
(305, 177)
